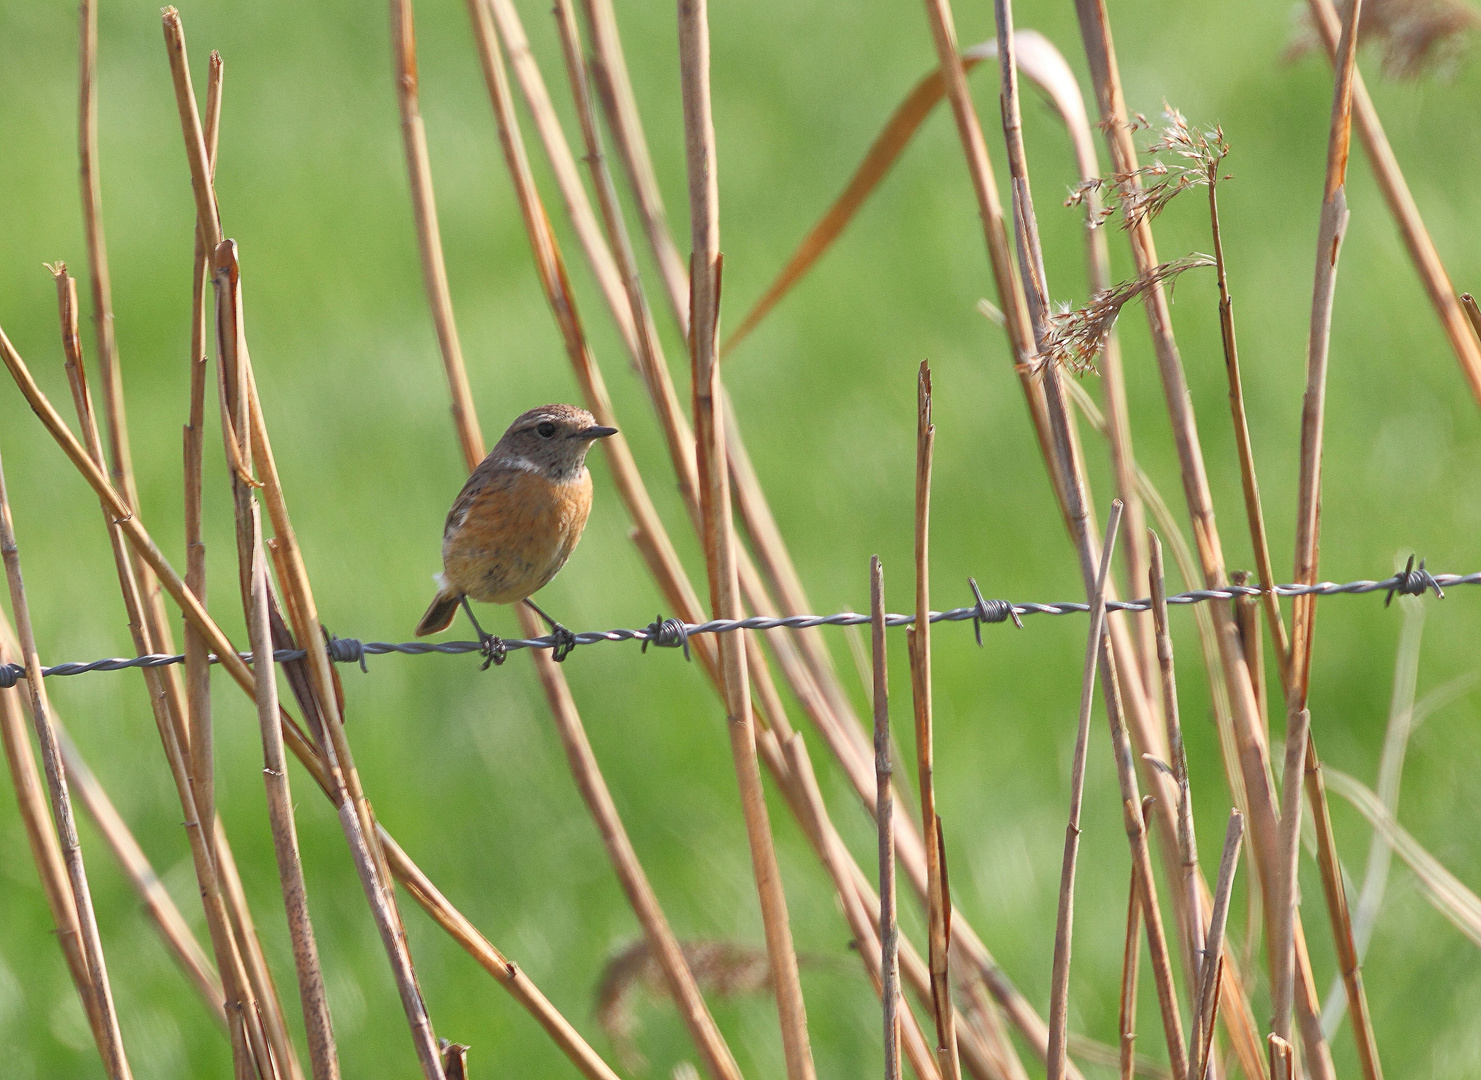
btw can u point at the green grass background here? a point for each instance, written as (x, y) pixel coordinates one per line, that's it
(464, 766)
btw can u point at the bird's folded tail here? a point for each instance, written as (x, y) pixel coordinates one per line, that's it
(443, 611)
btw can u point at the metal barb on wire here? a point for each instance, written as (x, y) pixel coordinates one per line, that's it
(990, 611)
(1412, 582)
(674, 633)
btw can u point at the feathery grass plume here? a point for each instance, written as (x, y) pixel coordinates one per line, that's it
(1415, 37)
(723, 969)
(1077, 335)
(1144, 192)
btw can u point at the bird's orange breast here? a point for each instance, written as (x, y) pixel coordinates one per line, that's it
(511, 530)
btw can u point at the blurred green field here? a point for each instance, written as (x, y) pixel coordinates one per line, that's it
(463, 766)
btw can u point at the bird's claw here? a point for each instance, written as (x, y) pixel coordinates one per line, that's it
(493, 650)
(565, 641)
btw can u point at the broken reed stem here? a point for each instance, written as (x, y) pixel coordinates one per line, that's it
(815, 683)
(889, 932)
(1334, 217)
(356, 817)
(706, 1035)
(1253, 512)
(197, 655)
(1253, 754)
(1131, 954)
(938, 901)
(1206, 1005)
(719, 536)
(249, 1040)
(1401, 205)
(407, 872)
(836, 861)
(1059, 982)
(323, 1056)
(429, 238)
(1287, 890)
(110, 1047)
(1192, 880)
(46, 852)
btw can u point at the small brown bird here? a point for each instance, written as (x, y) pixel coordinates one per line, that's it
(516, 521)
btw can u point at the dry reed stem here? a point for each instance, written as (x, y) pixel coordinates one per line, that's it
(1252, 751)
(1334, 217)
(719, 535)
(614, 88)
(110, 1047)
(249, 1038)
(505, 972)
(444, 913)
(1187, 838)
(318, 1026)
(1254, 514)
(197, 663)
(706, 1035)
(1130, 964)
(1136, 833)
(1206, 1005)
(1402, 206)
(429, 237)
(938, 898)
(1056, 439)
(1473, 312)
(830, 847)
(156, 899)
(1287, 891)
(356, 817)
(889, 931)
(816, 685)
(46, 852)
(1059, 981)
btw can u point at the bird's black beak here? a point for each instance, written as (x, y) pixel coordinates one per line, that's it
(596, 433)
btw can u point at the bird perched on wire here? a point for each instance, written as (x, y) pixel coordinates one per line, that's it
(516, 522)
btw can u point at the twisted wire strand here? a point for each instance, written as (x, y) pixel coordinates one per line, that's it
(673, 633)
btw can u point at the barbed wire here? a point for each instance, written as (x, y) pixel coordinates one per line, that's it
(674, 633)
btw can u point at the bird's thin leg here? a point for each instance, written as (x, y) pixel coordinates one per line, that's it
(565, 641)
(492, 646)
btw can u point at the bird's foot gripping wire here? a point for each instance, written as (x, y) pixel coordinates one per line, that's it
(564, 640)
(489, 645)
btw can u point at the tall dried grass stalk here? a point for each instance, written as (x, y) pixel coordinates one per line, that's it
(1249, 734)
(719, 535)
(938, 897)
(244, 1001)
(318, 1025)
(110, 1045)
(1402, 206)
(889, 931)
(1059, 984)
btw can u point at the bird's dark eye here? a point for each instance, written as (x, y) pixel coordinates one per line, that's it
(546, 430)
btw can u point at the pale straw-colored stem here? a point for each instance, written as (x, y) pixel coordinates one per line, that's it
(889, 931)
(448, 917)
(1064, 925)
(938, 899)
(1249, 734)
(249, 1037)
(1131, 956)
(1401, 205)
(1206, 1005)
(719, 531)
(429, 237)
(111, 1046)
